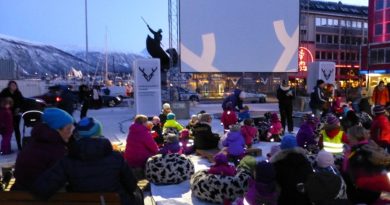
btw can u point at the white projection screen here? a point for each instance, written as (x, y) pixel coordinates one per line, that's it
(239, 36)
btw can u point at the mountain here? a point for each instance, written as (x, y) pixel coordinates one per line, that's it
(38, 58)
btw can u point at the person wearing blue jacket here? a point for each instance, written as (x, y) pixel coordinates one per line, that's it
(236, 98)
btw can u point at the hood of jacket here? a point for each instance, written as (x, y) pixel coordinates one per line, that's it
(43, 133)
(281, 155)
(90, 149)
(284, 88)
(234, 136)
(138, 129)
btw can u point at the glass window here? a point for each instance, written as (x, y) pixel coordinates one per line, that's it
(318, 55)
(359, 24)
(387, 27)
(353, 56)
(342, 23)
(354, 24)
(318, 38)
(365, 25)
(374, 56)
(329, 56)
(342, 56)
(378, 29)
(348, 23)
(330, 39)
(342, 39)
(347, 40)
(348, 56)
(359, 40)
(388, 3)
(387, 59)
(365, 40)
(335, 56)
(379, 4)
(381, 55)
(318, 21)
(330, 22)
(335, 39)
(335, 22)
(323, 55)
(323, 21)
(323, 39)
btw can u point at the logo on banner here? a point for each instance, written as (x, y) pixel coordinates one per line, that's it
(327, 74)
(147, 77)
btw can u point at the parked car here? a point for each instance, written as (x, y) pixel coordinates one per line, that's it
(183, 94)
(32, 104)
(111, 101)
(252, 97)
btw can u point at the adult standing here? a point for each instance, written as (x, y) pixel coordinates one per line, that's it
(164, 113)
(85, 100)
(380, 96)
(285, 97)
(380, 128)
(12, 91)
(236, 98)
(318, 99)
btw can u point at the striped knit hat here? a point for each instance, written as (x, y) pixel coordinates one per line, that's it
(379, 109)
(89, 127)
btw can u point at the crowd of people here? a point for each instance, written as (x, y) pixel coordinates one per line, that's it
(334, 158)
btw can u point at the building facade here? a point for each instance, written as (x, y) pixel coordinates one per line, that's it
(328, 32)
(376, 55)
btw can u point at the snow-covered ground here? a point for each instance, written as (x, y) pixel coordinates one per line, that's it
(116, 122)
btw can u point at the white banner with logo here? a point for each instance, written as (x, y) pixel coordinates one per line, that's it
(323, 70)
(147, 87)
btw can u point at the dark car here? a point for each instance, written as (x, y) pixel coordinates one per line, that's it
(111, 101)
(33, 104)
(53, 97)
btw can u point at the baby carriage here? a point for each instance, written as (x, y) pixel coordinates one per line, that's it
(30, 119)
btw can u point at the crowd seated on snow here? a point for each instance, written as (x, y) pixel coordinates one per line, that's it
(333, 159)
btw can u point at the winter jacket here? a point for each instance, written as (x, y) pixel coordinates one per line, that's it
(140, 146)
(223, 169)
(283, 98)
(292, 169)
(244, 115)
(276, 128)
(163, 118)
(317, 98)
(330, 133)
(187, 147)
(6, 123)
(380, 97)
(91, 166)
(157, 134)
(44, 150)
(235, 99)
(380, 130)
(261, 193)
(249, 133)
(17, 98)
(228, 118)
(172, 124)
(306, 135)
(204, 138)
(169, 148)
(235, 143)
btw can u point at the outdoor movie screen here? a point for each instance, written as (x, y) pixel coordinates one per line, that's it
(239, 36)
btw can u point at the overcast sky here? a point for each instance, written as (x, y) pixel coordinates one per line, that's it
(61, 22)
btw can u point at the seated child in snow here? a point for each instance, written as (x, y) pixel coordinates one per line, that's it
(157, 129)
(155, 135)
(221, 166)
(306, 136)
(192, 122)
(244, 114)
(172, 123)
(249, 132)
(171, 145)
(274, 150)
(186, 144)
(228, 116)
(276, 129)
(325, 163)
(234, 142)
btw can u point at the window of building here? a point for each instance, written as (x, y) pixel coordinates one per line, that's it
(379, 4)
(335, 56)
(342, 39)
(347, 40)
(387, 27)
(359, 24)
(358, 40)
(348, 23)
(374, 56)
(330, 22)
(323, 55)
(365, 40)
(378, 29)
(365, 25)
(353, 56)
(323, 21)
(318, 38)
(342, 22)
(318, 21)
(387, 58)
(323, 39)
(318, 55)
(357, 57)
(342, 56)
(381, 56)
(335, 22)
(353, 40)
(336, 39)
(330, 39)
(347, 56)
(329, 56)
(388, 4)
(354, 24)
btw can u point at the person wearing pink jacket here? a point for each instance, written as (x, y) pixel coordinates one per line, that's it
(140, 143)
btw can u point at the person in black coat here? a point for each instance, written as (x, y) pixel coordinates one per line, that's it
(68, 100)
(285, 97)
(85, 100)
(236, 98)
(91, 166)
(205, 139)
(318, 99)
(12, 91)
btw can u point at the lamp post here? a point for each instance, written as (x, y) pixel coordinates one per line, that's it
(86, 31)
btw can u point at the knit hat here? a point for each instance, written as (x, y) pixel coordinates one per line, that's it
(274, 117)
(171, 138)
(274, 149)
(56, 118)
(379, 109)
(185, 133)
(325, 159)
(332, 120)
(265, 172)
(322, 187)
(166, 106)
(248, 162)
(235, 127)
(220, 159)
(289, 141)
(171, 116)
(89, 127)
(312, 119)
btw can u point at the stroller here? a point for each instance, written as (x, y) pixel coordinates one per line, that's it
(30, 119)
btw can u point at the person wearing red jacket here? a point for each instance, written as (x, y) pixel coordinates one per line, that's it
(229, 116)
(380, 128)
(6, 125)
(380, 96)
(249, 132)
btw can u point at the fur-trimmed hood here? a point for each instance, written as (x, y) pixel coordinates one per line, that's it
(285, 88)
(284, 153)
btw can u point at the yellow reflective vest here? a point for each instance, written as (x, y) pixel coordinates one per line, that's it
(333, 145)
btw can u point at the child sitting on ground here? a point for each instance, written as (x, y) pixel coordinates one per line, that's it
(249, 132)
(276, 129)
(172, 123)
(228, 116)
(154, 134)
(234, 143)
(171, 145)
(306, 136)
(244, 114)
(187, 145)
(332, 137)
(157, 129)
(192, 122)
(325, 163)
(221, 166)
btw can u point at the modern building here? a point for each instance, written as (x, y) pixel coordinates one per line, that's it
(328, 32)
(376, 55)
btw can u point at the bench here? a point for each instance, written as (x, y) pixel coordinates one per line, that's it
(25, 198)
